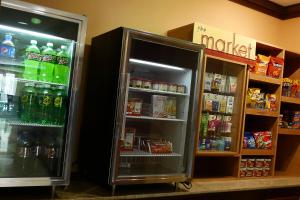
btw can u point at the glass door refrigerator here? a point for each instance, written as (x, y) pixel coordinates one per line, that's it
(40, 63)
(141, 108)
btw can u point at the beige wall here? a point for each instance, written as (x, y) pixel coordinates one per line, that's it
(159, 16)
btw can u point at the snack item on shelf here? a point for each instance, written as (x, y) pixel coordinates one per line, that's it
(280, 124)
(159, 106)
(212, 122)
(259, 162)
(207, 101)
(171, 107)
(215, 86)
(298, 90)
(163, 86)
(208, 81)
(134, 106)
(204, 125)
(250, 140)
(147, 84)
(215, 102)
(286, 87)
(220, 144)
(180, 88)
(245, 143)
(172, 87)
(132, 82)
(253, 95)
(249, 172)
(271, 102)
(222, 103)
(294, 88)
(227, 141)
(263, 139)
(257, 172)
(226, 128)
(250, 162)
(128, 141)
(155, 85)
(222, 85)
(231, 84)
(243, 163)
(275, 67)
(138, 82)
(243, 172)
(261, 65)
(230, 103)
(266, 171)
(156, 146)
(267, 162)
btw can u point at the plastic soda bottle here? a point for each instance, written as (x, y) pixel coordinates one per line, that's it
(59, 105)
(45, 99)
(47, 63)
(51, 152)
(28, 103)
(7, 47)
(32, 61)
(62, 69)
(23, 152)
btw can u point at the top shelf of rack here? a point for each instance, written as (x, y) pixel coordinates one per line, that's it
(264, 79)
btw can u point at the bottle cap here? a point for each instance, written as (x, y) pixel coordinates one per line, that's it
(33, 42)
(63, 47)
(29, 84)
(49, 44)
(8, 37)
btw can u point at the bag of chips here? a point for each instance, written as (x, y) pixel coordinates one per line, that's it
(261, 65)
(263, 139)
(275, 67)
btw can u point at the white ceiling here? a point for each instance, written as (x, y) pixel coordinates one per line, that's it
(286, 2)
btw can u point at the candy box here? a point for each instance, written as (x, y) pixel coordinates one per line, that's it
(243, 172)
(249, 172)
(243, 163)
(266, 171)
(267, 162)
(250, 162)
(259, 163)
(257, 172)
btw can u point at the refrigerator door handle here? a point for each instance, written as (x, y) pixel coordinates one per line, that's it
(127, 80)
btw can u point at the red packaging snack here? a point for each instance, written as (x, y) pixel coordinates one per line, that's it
(261, 65)
(243, 163)
(243, 172)
(263, 140)
(249, 172)
(250, 162)
(259, 163)
(128, 140)
(266, 171)
(257, 172)
(156, 146)
(134, 106)
(267, 162)
(271, 102)
(275, 67)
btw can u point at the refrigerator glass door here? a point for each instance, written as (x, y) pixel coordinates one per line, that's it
(36, 66)
(155, 140)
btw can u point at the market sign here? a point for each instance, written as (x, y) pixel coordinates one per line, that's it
(225, 41)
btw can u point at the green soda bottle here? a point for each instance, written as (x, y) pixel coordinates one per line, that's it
(45, 100)
(32, 61)
(62, 69)
(28, 103)
(47, 63)
(59, 105)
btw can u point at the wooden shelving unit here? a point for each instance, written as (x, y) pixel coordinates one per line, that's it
(217, 153)
(257, 152)
(288, 131)
(264, 79)
(291, 100)
(285, 154)
(266, 113)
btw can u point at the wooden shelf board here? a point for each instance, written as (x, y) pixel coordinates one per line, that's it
(288, 131)
(291, 100)
(213, 178)
(257, 152)
(216, 153)
(264, 79)
(267, 113)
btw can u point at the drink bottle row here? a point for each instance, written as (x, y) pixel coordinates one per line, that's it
(36, 155)
(43, 104)
(40, 64)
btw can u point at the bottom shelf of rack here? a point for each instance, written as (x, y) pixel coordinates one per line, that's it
(137, 153)
(257, 152)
